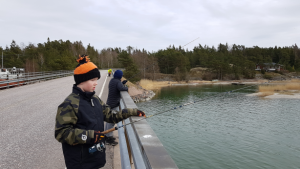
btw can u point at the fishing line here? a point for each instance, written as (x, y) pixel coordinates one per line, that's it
(191, 103)
(155, 64)
(100, 146)
(196, 101)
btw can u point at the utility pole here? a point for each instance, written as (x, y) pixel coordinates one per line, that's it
(111, 58)
(2, 60)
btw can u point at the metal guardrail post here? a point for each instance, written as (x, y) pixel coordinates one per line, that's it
(18, 79)
(135, 147)
(125, 162)
(7, 81)
(125, 158)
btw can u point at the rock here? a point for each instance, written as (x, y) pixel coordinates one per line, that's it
(145, 96)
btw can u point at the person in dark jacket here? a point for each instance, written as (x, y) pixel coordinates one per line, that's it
(113, 100)
(80, 119)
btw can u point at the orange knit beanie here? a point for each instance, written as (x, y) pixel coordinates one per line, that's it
(85, 70)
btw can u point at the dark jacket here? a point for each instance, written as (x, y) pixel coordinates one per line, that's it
(77, 118)
(114, 96)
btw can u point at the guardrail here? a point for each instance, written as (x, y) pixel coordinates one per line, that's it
(32, 77)
(144, 147)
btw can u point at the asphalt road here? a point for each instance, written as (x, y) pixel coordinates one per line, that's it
(27, 123)
(103, 94)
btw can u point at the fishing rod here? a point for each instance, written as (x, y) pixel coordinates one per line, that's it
(101, 146)
(161, 58)
(211, 96)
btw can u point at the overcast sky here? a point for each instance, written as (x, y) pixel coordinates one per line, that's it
(151, 24)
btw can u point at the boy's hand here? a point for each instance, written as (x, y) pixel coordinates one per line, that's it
(97, 137)
(141, 113)
(124, 81)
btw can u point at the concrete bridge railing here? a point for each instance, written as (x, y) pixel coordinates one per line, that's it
(143, 147)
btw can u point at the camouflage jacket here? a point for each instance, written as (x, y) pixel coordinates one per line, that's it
(81, 114)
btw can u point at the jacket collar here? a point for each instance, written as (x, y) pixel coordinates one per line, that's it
(117, 78)
(87, 95)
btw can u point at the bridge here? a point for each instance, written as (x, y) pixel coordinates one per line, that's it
(27, 128)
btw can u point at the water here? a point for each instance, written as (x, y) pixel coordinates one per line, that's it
(226, 131)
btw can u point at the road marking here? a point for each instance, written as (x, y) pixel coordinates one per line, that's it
(102, 87)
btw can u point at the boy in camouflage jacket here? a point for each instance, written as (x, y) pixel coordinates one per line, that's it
(80, 119)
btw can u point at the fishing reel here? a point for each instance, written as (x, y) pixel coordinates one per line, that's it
(97, 147)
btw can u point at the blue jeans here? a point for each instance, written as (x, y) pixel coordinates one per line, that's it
(110, 125)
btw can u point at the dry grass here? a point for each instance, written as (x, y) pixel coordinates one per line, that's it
(293, 86)
(295, 80)
(287, 92)
(154, 85)
(148, 85)
(129, 84)
(271, 88)
(287, 89)
(263, 94)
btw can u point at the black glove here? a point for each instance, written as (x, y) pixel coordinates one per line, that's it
(97, 137)
(124, 81)
(141, 113)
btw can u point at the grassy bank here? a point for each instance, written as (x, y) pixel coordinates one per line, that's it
(287, 88)
(154, 85)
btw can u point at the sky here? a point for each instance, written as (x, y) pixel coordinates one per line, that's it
(151, 24)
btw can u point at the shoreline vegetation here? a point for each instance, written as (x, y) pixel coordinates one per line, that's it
(289, 89)
(146, 89)
(200, 64)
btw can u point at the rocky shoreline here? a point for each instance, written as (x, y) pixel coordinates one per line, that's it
(139, 94)
(146, 95)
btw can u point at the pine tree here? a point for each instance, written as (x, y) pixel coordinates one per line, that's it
(131, 69)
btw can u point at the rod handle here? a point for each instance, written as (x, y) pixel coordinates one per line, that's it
(109, 130)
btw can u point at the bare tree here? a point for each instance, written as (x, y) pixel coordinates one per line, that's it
(146, 63)
(41, 60)
(77, 48)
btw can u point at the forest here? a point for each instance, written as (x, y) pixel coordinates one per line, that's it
(235, 60)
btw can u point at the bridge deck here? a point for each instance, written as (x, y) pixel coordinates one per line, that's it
(27, 123)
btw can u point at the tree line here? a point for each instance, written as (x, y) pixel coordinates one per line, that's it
(234, 60)
(55, 55)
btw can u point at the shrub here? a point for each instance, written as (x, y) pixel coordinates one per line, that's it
(266, 76)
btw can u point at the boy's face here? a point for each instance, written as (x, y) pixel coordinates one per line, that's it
(89, 86)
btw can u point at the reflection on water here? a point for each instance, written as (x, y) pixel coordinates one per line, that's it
(227, 130)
